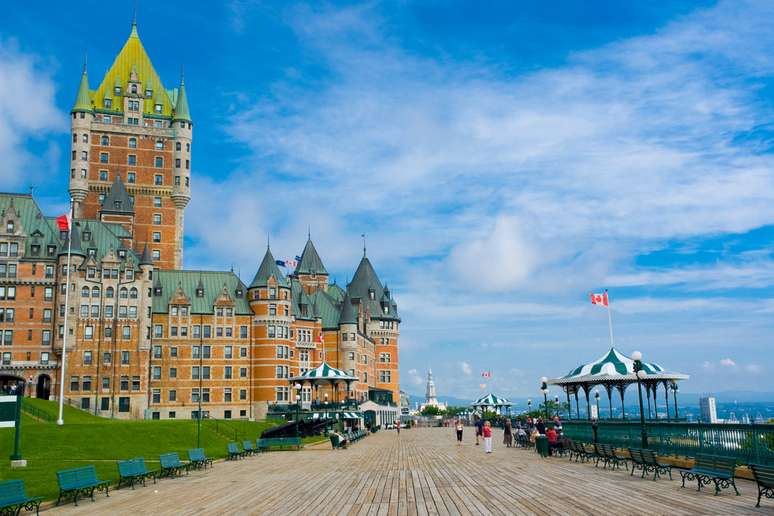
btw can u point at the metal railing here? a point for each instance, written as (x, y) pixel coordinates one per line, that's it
(35, 412)
(748, 443)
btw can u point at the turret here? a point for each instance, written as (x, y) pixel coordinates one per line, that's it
(181, 185)
(82, 116)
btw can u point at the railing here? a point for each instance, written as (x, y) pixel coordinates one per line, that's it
(748, 443)
(281, 408)
(222, 428)
(36, 412)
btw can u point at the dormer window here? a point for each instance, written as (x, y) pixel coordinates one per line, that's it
(386, 309)
(148, 93)
(157, 108)
(9, 226)
(117, 205)
(200, 292)
(107, 103)
(92, 252)
(134, 89)
(86, 236)
(51, 250)
(157, 291)
(239, 293)
(35, 249)
(117, 90)
(371, 293)
(122, 253)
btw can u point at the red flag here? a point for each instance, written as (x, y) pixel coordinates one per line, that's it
(599, 299)
(63, 221)
(320, 338)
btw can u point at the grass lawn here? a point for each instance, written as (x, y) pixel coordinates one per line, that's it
(86, 439)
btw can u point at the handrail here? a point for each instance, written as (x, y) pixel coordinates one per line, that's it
(36, 412)
(746, 442)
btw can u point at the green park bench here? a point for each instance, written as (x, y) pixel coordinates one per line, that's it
(249, 448)
(134, 470)
(198, 459)
(171, 465)
(764, 477)
(610, 457)
(712, 468)
(13, 498)
(337, 442)
(234, 452)
(647, 461)
(578, 451)
(279, 442)
(77, 481)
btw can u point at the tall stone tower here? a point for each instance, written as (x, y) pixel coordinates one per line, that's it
(430, 396)
(133, 131)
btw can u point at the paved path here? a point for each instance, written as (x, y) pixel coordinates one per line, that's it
(422, 472)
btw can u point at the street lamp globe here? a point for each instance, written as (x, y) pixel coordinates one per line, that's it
(636, 355)
(543, 379)
(641, 374)
(297, 386)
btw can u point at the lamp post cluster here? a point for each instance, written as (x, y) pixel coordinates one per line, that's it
(640, 374)
(544, 388)
(297, 387)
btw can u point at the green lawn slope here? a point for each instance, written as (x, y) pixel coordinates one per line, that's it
(86, 439)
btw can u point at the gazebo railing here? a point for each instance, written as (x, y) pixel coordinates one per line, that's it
(747, 443)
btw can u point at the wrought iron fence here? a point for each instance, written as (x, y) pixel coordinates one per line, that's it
(748, 443)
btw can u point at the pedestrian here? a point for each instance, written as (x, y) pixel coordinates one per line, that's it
(507, 433)
(479, 428)
(397, 427)
(487, 437)
(541, 427)
(458, 427)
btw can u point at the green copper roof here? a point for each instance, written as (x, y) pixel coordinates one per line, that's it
(213, 283)
(310, 262)
(267, 269)
(83, 100)
(133, 57)
(366, 286)
(326, 308)
(336, 292)
(33, 223)
(181, 107)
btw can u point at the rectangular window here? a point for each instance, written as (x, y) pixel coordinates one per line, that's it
(88, 332)
(228, 352)
(104, 403)
(123, 404)
(157, 219)
(44, 358)
(227, 372)
(105, 382)
(243, 332)
(157, 236)
(124, 383)
(131, 177)
(157, 202)
(156, 373)
(173, 372)
(158, 162)
(124, 358)
(87, 358)
(227, 395)
(74, 383)
(156, 396)
(103, 157)
(131, 160)
(172, 395)
(158, 330)
(87, 383)
(135, 383)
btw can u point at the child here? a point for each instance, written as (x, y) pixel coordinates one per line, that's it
(488, 437)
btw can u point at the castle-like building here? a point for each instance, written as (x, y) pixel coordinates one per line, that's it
(145, 337)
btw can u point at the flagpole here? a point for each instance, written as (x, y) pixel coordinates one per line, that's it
(60, 419)
(609, 320)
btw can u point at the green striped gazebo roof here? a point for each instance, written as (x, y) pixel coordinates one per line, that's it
(614, 366)
(324, 373)
(490, 400)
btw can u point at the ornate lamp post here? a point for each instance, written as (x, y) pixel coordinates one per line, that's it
(596, 401)
(556, 400)
(544, 388)
(297, 387)
(674, 394)
(639, 373)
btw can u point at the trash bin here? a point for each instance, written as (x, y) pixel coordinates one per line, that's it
(541, 445)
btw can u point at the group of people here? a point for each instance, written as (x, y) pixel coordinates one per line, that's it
(524, 431)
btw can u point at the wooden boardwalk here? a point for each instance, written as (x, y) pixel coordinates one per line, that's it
(420, 472)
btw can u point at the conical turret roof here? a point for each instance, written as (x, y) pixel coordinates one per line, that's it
(75, 247)
(310, 262)
(117, 200)
(181, 109)
(145, 259)
(348, 312)
(83, 99)
(267, 269)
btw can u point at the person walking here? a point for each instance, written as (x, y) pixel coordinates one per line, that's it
(479, 428)
(487, 437)
(507, 433)
(458, 428)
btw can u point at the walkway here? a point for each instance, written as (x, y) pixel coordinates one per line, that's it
(422, 473)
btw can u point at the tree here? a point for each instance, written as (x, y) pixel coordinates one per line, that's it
(454, 411)
(430, 410)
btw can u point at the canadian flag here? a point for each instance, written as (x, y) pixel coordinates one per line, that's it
(599, 299)
(320, 338)
(63, 221)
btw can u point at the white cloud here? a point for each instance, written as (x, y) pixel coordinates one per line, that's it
(466, 369)
(414, 378)
(27, 113)
(727, 362)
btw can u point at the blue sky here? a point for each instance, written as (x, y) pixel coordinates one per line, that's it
(503, 161)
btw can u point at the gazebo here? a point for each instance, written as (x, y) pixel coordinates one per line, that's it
(490, 401)
(615, 371)
(325, 375)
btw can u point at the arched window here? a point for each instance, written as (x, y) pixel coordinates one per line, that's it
(132, 143)
(133, 293)
(109, 292)
(85, 292)
(124, 293)
(95, 292)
